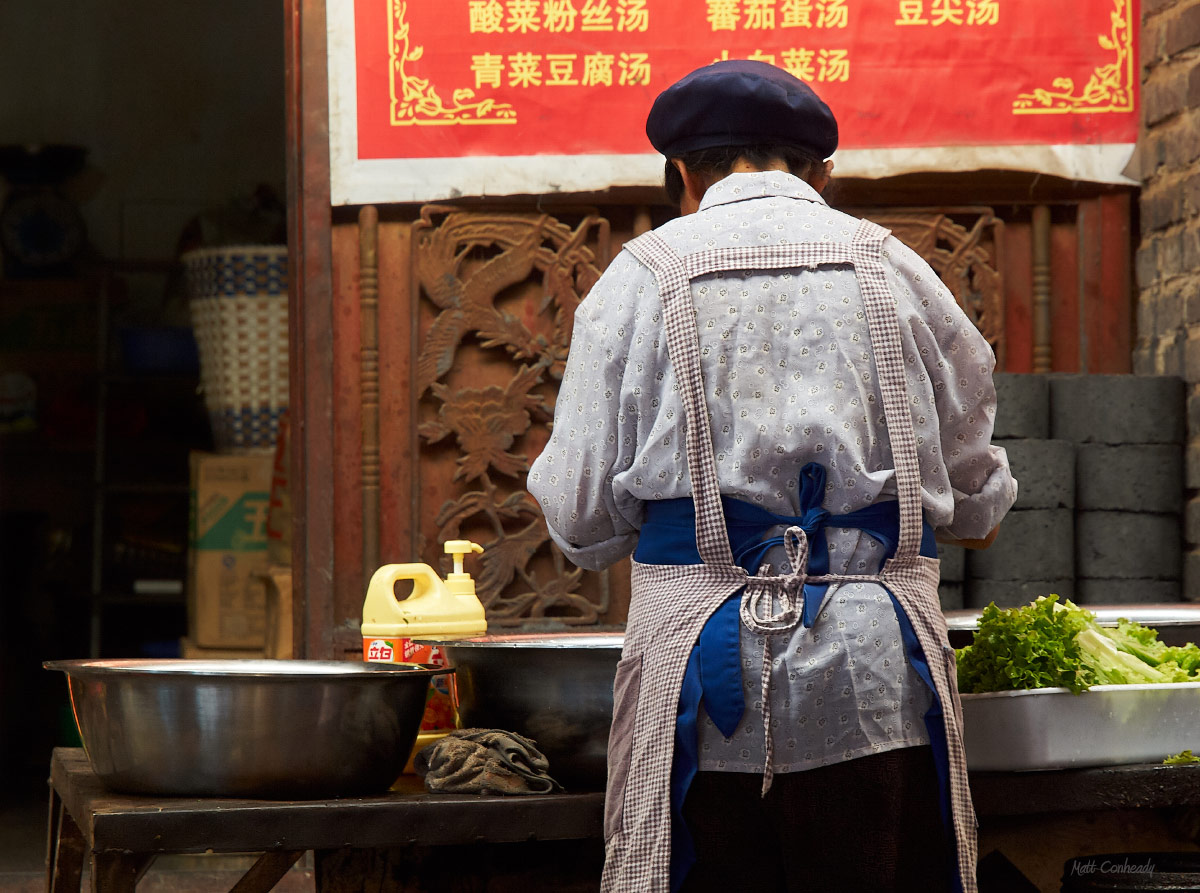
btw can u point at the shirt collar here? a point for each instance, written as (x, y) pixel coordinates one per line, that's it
(758, 184)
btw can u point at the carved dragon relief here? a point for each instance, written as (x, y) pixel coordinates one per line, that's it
(968, 258)
(497, 299)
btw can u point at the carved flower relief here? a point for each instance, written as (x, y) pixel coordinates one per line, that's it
(486, 422)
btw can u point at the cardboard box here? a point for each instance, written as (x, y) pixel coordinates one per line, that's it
(279, 515)
(189, 649)
(227, 552)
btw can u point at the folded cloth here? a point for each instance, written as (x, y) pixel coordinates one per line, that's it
(484, 761)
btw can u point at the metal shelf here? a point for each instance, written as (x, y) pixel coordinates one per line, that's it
(112, 385)
(145, 488)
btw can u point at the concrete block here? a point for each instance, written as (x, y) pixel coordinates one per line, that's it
(1128, 546)
(1045, 472)
(1147, 313)
(1191, 522)
(1161, 205)
(1117, 408)
(1010, 593)
(1142, 477)
(1189, 289)
(1153, 7)
(951, 596)
(1022, 406)
(1151, 45)
(1190, 238)
(953, 563)
(1191, 356)
(1193, 410)
(1169, 308)
(1146, 262)
(1191, 463)
(1144, 360)
(1126, 592)
(1191, 576)
(1034, 544)
(1168, 353)
(1170, 245)
(1182, 31)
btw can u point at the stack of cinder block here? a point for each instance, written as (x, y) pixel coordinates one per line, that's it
(953, 572)
(1035, 551)
(1128, 432)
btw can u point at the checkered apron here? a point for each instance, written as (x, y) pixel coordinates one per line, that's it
(671, 603)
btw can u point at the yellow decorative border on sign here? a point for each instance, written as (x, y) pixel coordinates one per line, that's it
(1110, 88)
(416, 101)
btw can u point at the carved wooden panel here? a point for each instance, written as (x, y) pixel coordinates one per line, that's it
(965, 247)
(494, 302)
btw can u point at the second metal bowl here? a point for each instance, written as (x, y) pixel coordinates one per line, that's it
(556, 688)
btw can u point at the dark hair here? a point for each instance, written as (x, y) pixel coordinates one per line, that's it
(719, 161)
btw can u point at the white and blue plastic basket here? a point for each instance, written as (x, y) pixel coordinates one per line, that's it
(238, 299)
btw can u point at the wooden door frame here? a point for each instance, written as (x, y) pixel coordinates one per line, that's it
(310, 309)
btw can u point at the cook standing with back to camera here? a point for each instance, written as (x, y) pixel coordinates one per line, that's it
(779, 410)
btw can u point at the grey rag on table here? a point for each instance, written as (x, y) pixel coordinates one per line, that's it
(484, 761)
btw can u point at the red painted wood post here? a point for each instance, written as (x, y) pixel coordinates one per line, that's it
(311, 325)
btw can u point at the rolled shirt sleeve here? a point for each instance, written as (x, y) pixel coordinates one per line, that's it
(959, 364)
(572, 478)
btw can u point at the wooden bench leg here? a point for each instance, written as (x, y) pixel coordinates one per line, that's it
(351, 871)
(267, 871)
(65, 849)
(118, 872)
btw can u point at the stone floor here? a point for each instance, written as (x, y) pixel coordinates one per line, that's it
(23, 858)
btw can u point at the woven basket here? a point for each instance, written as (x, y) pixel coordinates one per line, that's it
(243, 342)
(236, 270)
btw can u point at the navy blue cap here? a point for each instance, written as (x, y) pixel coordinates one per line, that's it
(740, 102)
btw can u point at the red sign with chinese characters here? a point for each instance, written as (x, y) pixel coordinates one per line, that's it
(449, 78)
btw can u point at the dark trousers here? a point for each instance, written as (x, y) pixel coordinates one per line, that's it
(871, 824)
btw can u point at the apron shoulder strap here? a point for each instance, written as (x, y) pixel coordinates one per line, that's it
(884, 325)
(679, 317)
(870, 234)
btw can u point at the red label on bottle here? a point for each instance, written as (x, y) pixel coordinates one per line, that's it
(380, 651)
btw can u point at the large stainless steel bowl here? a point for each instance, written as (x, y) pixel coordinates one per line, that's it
(556, 688)
(287, 729)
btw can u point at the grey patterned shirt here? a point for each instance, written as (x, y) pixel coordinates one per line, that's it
(789, 379)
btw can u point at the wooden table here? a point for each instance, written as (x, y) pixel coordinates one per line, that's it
(122, 834)
(1136, 786)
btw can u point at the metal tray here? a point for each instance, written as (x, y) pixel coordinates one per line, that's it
(1107, 725)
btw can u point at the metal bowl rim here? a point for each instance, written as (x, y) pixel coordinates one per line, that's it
(243, 668)
(1099, 689)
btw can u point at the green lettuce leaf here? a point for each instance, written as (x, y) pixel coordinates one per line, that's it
(1046, 644)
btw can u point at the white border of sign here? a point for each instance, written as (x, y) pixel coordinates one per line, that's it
(355, 181)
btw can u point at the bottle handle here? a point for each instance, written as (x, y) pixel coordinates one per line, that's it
(383, 581)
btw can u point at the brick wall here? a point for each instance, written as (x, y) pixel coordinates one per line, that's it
(1168, 258)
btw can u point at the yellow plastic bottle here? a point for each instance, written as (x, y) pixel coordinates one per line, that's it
(436, 609)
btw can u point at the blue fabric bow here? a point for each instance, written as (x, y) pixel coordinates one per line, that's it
(668, 536)
(714, 673)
